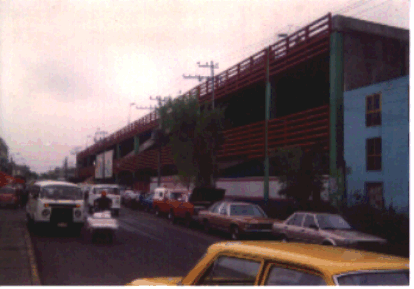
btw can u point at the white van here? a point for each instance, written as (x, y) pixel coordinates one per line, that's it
(57, 203)
(112, 192)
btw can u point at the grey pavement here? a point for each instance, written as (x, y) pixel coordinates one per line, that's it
(17, 258)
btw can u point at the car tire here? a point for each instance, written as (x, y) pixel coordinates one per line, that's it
(284, 239)
(116, 213)
(206, 226)
(327, 243)
(235, 233)
(157, 212)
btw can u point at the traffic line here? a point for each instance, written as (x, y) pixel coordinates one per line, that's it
(133, 229)
(32, 259)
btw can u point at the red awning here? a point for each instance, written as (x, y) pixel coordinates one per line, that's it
(5, 179)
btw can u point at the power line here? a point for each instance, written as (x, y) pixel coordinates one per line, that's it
(368, 9)
(212, 66)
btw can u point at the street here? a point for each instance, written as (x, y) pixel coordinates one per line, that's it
(145, 246)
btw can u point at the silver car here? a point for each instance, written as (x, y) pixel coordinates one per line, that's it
(325, 229)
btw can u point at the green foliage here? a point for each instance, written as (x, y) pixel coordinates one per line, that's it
(194, 134)
(302, 173)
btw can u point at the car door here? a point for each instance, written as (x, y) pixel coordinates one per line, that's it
(284, 274)
(214, 216)
(310, 231)
(223, 219)
(232, 269)
(294, 227)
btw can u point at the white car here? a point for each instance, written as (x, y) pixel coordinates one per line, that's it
(57, 203)
(112, 192)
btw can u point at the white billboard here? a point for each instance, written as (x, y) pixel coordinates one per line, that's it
(99, 166)
(108, 163)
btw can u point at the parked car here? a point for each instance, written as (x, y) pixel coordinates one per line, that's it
(10, 196)
(164, 198)
(57, 203)
(147, 202)
(185, 205)
(237, 218)
(127, 195)
(275, 263)
(325, 229)
(136, 199)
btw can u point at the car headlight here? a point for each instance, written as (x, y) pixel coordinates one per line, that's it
(78, 213)
(45, 212)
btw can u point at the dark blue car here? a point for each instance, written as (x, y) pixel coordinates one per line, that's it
(147, 202)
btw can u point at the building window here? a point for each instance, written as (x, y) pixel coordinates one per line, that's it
(375, 195)
(374, 154)
(373, 110)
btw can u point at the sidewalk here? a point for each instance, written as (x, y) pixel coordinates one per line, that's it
(17, 259)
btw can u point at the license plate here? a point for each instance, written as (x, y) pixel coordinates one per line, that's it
(63, 225)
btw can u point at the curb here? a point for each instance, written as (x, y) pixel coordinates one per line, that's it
(32, 260)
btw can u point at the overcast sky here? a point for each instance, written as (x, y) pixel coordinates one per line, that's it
(71, 67)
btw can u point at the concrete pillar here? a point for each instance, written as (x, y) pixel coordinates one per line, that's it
(336, 111)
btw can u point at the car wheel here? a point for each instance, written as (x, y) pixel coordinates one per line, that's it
(327, 243)
(235, 234)
(157, 212)
(206, 226)
(284, 239)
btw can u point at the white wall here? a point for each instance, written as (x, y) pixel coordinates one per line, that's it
(250, 187)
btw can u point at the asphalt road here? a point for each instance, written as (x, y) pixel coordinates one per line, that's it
(145, 246)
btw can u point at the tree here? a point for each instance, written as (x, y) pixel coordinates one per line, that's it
(301, 172)
(194, 134)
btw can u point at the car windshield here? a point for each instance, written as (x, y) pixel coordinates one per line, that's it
(375, 279)
(108, 190)
(176, 195)
(61, 193)
(246, 210)
(332, 222)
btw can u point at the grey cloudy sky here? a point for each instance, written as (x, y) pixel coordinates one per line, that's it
(69, 67)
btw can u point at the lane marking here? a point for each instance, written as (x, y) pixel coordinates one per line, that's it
(32, 259)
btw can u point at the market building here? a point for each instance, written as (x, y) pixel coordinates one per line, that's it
(295, 92)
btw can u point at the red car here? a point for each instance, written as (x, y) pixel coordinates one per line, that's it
(9, 196)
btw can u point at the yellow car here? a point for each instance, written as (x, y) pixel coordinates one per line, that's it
(276, 263)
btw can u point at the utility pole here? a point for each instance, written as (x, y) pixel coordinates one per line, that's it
(158, 134)
(212, 66)
(129, 114)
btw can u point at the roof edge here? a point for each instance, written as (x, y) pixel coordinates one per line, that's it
(347, 24)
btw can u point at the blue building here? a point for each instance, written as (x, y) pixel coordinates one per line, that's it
(376, 143)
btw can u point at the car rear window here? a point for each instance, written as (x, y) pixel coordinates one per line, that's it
(109, 190)
(375, 278)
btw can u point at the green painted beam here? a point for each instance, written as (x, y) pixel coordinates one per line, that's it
(118, 151)
(336, 101)
(136, 144)
(267, 117)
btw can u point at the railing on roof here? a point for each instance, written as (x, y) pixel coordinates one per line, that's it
(303, 44)
(302, 129)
